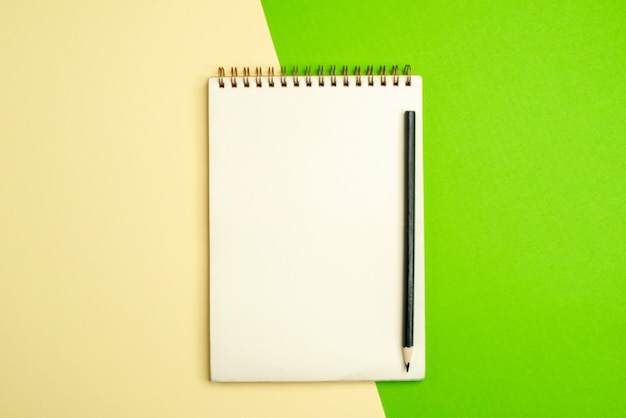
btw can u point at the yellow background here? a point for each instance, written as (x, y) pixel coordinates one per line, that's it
(103, 213)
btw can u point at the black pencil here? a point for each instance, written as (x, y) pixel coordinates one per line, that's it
(409, 234)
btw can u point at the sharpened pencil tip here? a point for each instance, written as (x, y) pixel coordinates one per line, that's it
(406, 356)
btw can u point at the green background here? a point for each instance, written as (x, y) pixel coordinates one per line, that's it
(525, 193)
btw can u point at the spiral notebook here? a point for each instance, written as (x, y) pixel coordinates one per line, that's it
(306, 220)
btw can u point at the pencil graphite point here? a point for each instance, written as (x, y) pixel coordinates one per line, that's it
(407, 352)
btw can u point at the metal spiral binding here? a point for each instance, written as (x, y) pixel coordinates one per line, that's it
(233, 76)
(246, 76)
(346, 80)
(369, 76)
(259, 74)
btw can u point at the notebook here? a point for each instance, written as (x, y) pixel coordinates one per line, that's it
(306, 223)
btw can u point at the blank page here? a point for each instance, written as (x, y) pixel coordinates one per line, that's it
(306, 230)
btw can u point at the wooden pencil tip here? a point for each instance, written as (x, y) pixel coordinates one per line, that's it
(406, 356)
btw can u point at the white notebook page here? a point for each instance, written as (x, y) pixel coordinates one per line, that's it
(306, 231)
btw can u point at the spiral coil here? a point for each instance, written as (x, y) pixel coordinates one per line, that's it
(369, 77)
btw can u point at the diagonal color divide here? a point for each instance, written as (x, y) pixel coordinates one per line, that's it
(524, 179)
